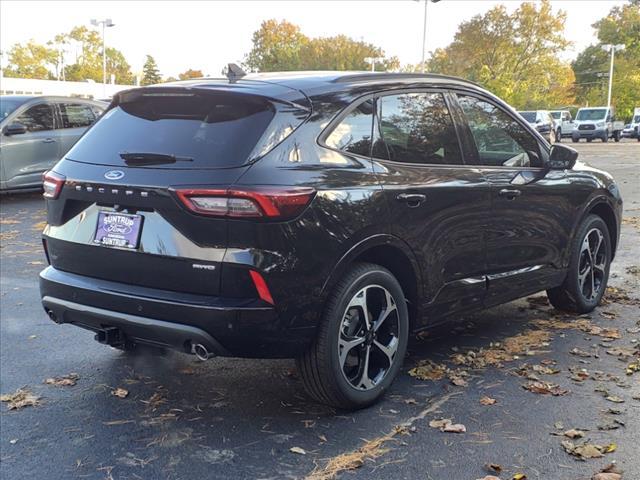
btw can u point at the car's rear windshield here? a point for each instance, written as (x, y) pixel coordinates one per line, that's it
(591, 114)
(169, 129)
(529, 116)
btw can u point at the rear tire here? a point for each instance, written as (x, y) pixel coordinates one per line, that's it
(352, 346)
(588, 270)
(575, 140)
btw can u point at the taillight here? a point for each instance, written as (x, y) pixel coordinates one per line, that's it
(262, 202)
(52, 183)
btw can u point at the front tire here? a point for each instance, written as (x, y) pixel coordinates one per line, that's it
(361, 340)
(588, 270)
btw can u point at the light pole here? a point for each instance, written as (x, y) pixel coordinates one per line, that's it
(424, 32)
(612, 49)
(372, 61)
(105, 23)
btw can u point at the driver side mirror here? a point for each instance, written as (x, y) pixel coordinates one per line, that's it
(14, 129)
(562, 157)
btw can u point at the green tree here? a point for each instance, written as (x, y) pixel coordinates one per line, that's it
(191, 74)
(31, 60)
(281, 46)
(513, 55)
(591, 67)
(150, 72)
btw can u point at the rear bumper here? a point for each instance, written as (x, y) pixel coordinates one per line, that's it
(226, 326)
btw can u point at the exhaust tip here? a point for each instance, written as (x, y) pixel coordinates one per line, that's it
(201, 352)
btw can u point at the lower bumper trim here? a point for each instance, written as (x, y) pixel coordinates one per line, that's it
(135, 328)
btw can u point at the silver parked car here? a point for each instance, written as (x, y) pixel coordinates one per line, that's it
(35, 132)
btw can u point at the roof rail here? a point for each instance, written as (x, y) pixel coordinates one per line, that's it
(399, 76)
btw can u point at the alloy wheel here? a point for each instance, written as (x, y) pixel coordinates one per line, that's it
(368, 338)
(593, 264)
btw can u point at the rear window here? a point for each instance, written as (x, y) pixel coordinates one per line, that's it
(528, 116)
(199, 130)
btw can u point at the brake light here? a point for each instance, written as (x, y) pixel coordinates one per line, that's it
(261, 287)
(52, 183)
(262, 202)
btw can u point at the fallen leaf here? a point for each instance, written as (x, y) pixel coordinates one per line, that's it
(120, 392)
(519, 476)
(439, 423)
(495, 467)
(36, 262)
(298, 450)
(454, 428)
(614, 399)
(545, 388)
(573, 433)
(587, 450)
(459, 382)
(19, 399)
(64, 381)
(488, 477)
(607, 476)
(487, 400)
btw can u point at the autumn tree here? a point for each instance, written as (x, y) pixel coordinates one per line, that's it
(591, 67)
(190, 74)
(281, 46)
(31, 60)
(513, 55)
(150, 73)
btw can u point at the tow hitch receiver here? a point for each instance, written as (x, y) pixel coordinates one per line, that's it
(111, 336)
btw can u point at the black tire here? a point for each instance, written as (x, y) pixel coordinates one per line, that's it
(558, 136)
(605, 138)
(589, 140)
(322, 368)
(616, 136)
(575, 140)
(571, 295)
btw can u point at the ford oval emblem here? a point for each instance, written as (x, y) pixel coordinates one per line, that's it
(114, 175)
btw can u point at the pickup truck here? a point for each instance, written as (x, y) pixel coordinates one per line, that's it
(564, 121)
(635, 123)
(596, 122)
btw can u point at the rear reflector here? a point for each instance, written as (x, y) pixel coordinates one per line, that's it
(52, 183)
(261, 287)
(259, 202)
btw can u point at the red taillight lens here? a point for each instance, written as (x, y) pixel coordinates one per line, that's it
(263, 202)
(52, 183)
(261, 287)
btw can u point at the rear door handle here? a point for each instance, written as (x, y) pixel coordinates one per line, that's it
(411, 199)
(49, 140)
(510, 193)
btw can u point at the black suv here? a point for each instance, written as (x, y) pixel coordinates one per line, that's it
(317, 216)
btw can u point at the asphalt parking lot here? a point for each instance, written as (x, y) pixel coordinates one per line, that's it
(179, 418)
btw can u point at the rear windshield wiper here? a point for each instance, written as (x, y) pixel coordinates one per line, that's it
(143, 159)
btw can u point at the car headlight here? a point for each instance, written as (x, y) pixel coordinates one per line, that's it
(600, 124)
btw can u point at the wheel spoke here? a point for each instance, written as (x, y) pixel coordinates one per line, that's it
(360, 300)
(346, 346)
(364, 381)
(582, 277)
(594, 250)
(391, 307)
(593, 283)
(389, 350)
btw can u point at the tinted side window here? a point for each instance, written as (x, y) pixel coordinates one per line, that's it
(75, 115)
(353, 134)
(501, 141)
(38, 118)
(417, 128)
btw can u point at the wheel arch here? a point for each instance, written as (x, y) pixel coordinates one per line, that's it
(601, 207)
(391, 253)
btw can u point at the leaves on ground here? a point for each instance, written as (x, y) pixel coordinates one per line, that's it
(298, 450)
(582, 324)
(64, 381)
(545, 388)
(445, 425)
(588, 450)
(19, 399)
(573, 433)
(487, 400)
(120, 392)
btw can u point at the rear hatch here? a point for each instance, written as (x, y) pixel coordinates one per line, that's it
(118, 215)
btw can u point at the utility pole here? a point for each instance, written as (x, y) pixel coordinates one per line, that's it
(105, 23)
(612, 49)
(424, 33)
(372, 61)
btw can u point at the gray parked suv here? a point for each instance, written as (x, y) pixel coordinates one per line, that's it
(35, 132)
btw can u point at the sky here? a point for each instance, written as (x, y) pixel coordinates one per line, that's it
(206, 35)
